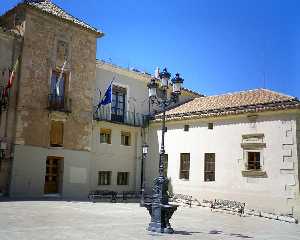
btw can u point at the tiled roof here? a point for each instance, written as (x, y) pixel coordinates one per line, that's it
(48, 7)
(233, 103)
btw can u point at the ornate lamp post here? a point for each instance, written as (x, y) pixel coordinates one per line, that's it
(160, 209)
(145, 151)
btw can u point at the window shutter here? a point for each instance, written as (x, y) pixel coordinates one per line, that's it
(56, 133)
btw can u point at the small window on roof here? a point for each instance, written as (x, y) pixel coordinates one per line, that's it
(210, 126)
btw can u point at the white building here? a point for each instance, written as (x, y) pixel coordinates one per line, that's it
(240, 146)
(120, 128)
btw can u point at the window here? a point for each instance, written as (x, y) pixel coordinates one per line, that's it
(209, 167)
(118, 104)
(186, 128)
(56, 134)
(125, 138)
(210, 126)
(123, 178)
(105, 135)
(104, 178)
(254, 161)
(165, 163)
(184, 166)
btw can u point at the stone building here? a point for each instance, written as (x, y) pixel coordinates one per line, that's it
(240, 146)
(53, 97)
(10, 47)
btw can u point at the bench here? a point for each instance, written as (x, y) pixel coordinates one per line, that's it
(100, 194)
(228, 205)
(131, 195)
(182, 198)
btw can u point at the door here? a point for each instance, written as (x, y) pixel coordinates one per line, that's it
(53, 175)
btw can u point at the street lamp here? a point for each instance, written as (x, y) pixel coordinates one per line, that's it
(145, 151)
(160, 209)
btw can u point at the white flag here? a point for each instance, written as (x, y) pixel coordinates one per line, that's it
(156, 74)
(60, 78)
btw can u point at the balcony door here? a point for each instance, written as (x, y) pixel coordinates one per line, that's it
(57, 90)
(118, 104)
(58, 84)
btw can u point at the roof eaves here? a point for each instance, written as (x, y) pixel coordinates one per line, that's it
(82, 24)
(273, 106)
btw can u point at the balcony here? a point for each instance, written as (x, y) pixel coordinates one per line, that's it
(59, 103)
(128, 118)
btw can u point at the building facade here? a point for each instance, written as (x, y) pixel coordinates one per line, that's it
(10, 48)
(121, 128)
(57, 141)
(241, 146)
(53, 98)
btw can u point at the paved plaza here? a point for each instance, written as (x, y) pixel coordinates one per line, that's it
(31, 220)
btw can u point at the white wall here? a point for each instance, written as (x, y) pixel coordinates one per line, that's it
(135, 83)
(29, 169)
(276, 191)
(115, 157)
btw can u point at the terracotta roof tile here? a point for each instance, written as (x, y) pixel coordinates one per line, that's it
(50, 8)
(234, 103)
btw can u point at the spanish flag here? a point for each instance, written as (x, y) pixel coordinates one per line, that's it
(12, 77)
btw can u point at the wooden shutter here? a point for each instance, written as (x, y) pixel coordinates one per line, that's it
(56, 133)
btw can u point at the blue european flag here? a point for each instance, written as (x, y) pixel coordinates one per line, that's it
(107, 96)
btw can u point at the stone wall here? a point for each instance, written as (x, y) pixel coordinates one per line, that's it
(40, 56)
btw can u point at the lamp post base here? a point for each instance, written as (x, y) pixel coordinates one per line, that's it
(160, 217)
(160, 209)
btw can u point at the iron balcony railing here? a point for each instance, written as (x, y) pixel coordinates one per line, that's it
(59, 103)
(128, 118)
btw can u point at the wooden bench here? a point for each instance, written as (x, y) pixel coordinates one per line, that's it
(228, 205)
(100, 194)
(186, 199)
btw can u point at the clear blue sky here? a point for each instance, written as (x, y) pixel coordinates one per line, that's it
(217, 45)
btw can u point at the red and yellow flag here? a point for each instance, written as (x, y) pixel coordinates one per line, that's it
(12, 76)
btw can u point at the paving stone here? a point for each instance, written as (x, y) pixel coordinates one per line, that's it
(59, 220)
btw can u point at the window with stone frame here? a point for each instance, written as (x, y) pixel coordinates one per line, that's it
(125, 138)
(123, 178)
(57, 134)
(105, 135)
(209, 167)
(184, 172)
(104, 178)
(253, 160)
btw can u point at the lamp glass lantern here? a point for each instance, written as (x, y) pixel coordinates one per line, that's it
(145, 148)
(152, 87)
(177, 83)
(165, 77)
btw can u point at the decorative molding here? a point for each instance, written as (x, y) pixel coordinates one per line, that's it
(253, 145)
(253, 173)
(253, 135)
